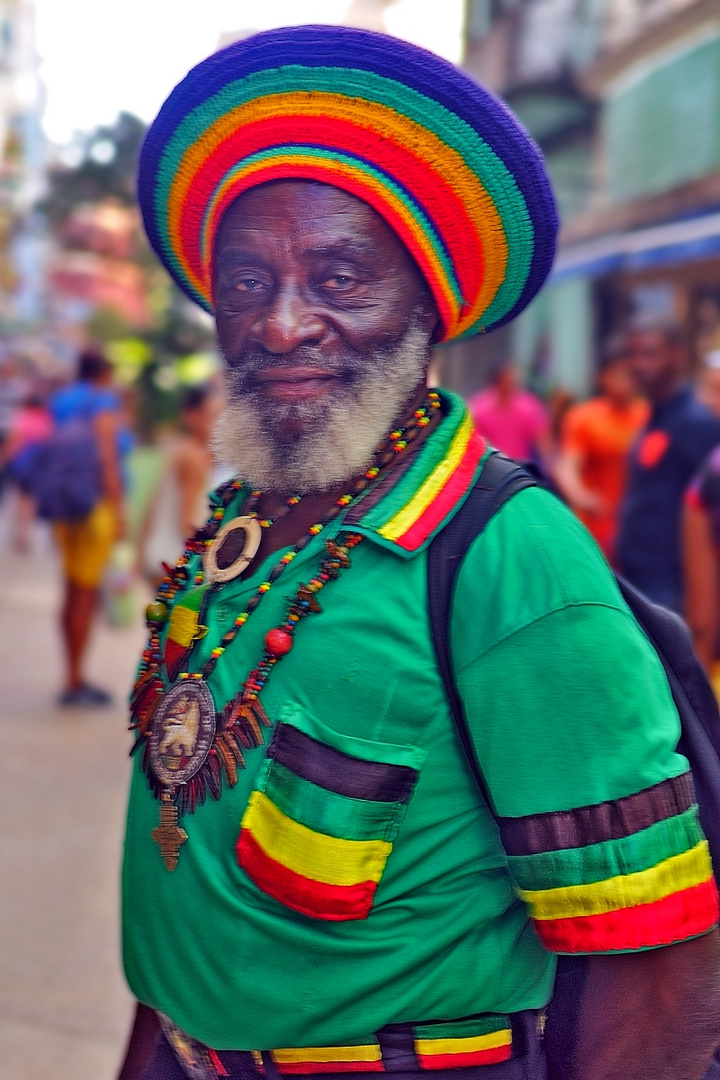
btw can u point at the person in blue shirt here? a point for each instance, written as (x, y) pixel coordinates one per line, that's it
(85, 544)
(676, 440)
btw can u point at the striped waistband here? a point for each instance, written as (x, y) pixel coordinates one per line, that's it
(486, 1039)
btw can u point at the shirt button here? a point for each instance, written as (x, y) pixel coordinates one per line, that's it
(223, 611)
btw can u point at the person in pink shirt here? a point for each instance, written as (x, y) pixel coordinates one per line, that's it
(30, 425)
(512, 419)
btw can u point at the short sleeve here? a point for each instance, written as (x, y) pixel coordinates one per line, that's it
(575, 732)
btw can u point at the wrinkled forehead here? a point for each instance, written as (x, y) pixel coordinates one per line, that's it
(308, 218)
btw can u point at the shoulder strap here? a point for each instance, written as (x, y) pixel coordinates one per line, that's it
(499, 480)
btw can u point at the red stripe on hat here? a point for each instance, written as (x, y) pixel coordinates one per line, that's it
(437, 198)
(334, 903)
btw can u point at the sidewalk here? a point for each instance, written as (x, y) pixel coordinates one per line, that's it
(64, 1007)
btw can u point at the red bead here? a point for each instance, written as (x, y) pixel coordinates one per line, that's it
(278, 642)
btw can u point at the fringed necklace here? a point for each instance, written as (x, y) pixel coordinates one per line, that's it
(189, 749)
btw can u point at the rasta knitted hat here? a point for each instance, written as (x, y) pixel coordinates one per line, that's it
(444, 162)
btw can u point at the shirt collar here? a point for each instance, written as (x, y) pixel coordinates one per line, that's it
(430, 491)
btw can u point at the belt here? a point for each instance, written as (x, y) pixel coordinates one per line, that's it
(485, 1039)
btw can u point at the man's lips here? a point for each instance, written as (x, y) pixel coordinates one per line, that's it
(294, 384)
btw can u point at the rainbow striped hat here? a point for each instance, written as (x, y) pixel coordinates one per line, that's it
(438, 157)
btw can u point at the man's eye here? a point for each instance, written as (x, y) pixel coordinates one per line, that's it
(248, 284)
(339, 281)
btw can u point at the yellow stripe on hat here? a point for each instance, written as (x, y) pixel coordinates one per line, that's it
(311, 854)
(673, 875)
(382, 120)
(409, 514)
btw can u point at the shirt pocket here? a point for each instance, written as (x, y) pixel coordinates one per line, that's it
(320, 825)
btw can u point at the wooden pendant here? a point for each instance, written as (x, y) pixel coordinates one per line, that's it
(168, 835)
(232, 550)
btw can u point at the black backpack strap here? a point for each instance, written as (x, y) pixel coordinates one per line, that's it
(499, 480)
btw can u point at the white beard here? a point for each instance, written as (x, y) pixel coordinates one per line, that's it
(338, 436)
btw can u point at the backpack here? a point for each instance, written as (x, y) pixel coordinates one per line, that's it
(694, 699)
(65, 476)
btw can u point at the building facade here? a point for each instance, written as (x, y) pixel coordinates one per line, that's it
(623, 97)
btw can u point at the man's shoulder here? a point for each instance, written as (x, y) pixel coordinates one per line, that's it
(534, 558)
(695, 431)
(529, 402)
(691, 415)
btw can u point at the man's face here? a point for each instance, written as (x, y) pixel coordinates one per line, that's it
(322, 316)
(655, 362)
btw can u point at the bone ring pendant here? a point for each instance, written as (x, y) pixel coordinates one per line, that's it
(225, 558)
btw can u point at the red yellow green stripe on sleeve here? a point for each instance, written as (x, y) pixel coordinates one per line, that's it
(318, 830)
(630, 874)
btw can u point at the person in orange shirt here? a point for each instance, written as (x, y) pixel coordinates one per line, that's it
(596, 437)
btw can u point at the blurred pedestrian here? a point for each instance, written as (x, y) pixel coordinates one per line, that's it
(13, 390)
(701, 555)
(596, 437)
(180, 504)
(708, 383)
(511, 418)
(85, 542)
(676, 440)
(28, 428)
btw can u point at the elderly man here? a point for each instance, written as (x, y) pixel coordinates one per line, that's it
(315, 885)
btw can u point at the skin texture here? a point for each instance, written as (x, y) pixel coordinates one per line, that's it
(652, 1015)
(300, 263)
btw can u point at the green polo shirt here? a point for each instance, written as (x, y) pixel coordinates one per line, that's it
(355, 877)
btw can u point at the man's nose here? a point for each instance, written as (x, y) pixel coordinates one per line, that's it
(289, 321)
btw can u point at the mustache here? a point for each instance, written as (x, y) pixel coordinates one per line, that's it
(254, 361)
(242, 370)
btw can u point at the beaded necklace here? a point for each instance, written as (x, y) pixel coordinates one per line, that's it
(187, 747)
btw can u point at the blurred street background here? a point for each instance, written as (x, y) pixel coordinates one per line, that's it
(64, 1008)
(623, 98)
